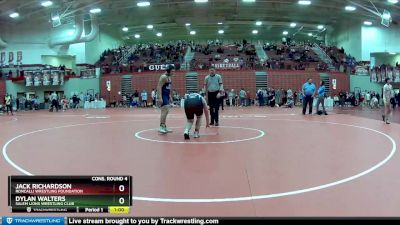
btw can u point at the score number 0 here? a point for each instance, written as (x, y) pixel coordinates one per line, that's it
(121, 200)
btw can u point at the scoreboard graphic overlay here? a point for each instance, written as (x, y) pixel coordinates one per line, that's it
(75, 194)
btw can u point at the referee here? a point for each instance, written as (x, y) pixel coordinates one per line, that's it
(308, 92)
(212, 86)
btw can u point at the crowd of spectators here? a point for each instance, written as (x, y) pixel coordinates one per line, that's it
(33, 102)
(285, 55)
(292, 56)
(139, 56)
(240, 54)
(142, 99)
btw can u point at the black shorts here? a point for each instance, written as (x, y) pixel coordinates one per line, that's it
(193, 107)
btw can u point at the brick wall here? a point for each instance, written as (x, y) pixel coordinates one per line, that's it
(2, 90)
(234, 80)
(149, 80)
(290, 79)
(115, 87)
(295, 79)
(342, 82)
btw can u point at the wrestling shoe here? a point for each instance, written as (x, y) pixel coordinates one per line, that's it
(162, 130)
(167, 129)
(186, 136)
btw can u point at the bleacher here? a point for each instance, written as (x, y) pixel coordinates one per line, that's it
(218, 53)
(139, 57)
(240, 55)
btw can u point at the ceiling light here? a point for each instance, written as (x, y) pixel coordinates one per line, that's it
(96, 10)
(192, 32)
(258, 23)
(200, 1)
(303, 2)
(368, 23)
(293, 25)
(350, 8)
(56, 17)
(392, 53)
(220, 23)
(125, 29)
(137, 36)
(285, 32)
(320, 27)
(187, 24)
(47, 3)
(255, 31)
(150, 27)
(143, 4)
(393, 1)
(221, 31)
(70, 33)
(159, 34)
(248, 0)
(310, 34)
(14, 15)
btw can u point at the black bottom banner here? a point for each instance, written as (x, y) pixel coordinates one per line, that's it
(212, 221)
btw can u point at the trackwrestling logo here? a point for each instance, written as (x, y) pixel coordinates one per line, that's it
(33, 220)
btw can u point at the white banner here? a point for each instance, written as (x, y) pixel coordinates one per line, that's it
(158, 67)
(361, 70)
(108, 84)
(334, 84)
(226, 65)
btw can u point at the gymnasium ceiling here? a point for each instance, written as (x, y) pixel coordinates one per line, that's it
(237, 17)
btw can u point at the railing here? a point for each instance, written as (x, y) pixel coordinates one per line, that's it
(125, 55)
(261, 54)
(322, 54)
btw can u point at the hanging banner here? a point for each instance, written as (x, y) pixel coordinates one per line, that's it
(158, 67)
(37, 79)
(62, 74)
(361, 70)
(226, 65)
(28, 78)
(19, 56)
(374, 77)
(55, 75)
(11, 57)
(46, 77)
(3, 57)
(396, 75)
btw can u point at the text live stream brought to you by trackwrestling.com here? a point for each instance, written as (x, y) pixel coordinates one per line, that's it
(13, 220)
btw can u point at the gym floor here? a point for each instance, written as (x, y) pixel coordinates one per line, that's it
(258, 162)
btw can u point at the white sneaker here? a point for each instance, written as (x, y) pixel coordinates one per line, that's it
(196, 134)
